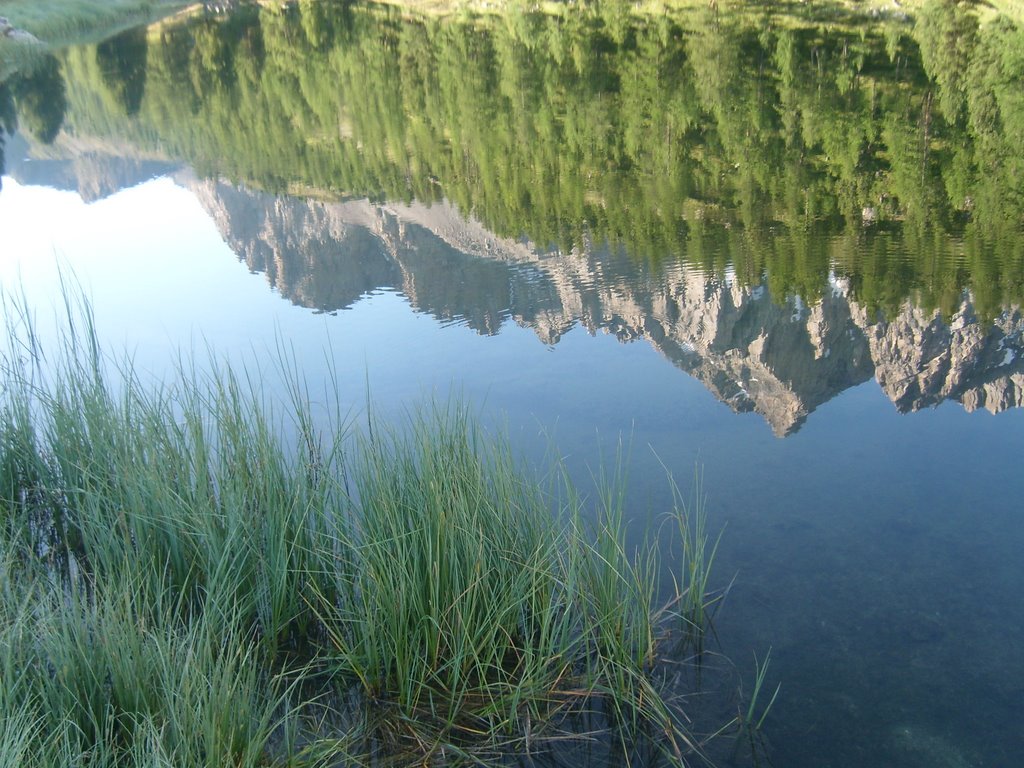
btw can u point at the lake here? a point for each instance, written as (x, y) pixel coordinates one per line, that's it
(782, 247)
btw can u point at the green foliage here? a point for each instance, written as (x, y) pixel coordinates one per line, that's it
(180, 586)
(8, 118)
(122, 63)
(761, 141)
(41, 97)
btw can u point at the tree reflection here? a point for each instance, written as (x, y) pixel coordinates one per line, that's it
(41, 98)
(725, 140)
(8, 120)
(122, 63)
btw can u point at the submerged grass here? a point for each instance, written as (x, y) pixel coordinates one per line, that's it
(183, 586)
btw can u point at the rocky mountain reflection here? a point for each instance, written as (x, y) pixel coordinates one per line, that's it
(785, 201)
(778, 356)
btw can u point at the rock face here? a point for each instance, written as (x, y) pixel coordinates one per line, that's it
(327, 256)
(921, 361)
(77, 166)
(779, 358)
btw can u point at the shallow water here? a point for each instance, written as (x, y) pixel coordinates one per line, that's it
(787, 250)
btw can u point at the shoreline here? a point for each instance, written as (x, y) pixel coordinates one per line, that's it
(55, 23)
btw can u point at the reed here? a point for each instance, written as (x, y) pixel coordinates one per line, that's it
(749, 720)
(695, 601)
(183, 584)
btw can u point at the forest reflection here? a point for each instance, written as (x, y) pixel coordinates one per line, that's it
(857, 184)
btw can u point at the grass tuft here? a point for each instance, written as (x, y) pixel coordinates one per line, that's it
(183, 584)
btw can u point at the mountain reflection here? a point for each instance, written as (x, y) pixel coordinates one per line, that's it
(777, 356)
(784, 205)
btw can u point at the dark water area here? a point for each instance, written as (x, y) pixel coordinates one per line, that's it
(784, 246)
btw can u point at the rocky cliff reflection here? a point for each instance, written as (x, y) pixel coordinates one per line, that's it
(666, 133)
(781, 357)
(784, 203)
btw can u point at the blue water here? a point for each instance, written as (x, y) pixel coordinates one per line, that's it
(876, 554)
(864, 466)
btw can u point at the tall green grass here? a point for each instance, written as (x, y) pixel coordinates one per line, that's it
(194, 574)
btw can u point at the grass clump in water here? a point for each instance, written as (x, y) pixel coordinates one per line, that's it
(182, 585)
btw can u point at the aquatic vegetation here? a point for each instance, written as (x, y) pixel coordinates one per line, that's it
(750, 718)
(197, 574)
(695, 599)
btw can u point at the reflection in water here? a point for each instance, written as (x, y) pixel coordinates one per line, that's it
(688, 137)
(40, 93)
(34, 99)
(783, 207)
(90, 170)
(773, 355)
(8, 118)
(847, 209)
(122, 65)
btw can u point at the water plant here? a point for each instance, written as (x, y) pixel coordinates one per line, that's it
(695, 600)
(750, 718)
(196, 573)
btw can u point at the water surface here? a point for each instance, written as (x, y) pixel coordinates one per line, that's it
(786, 248)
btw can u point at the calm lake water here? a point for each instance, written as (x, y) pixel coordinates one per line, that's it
(787, 249)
